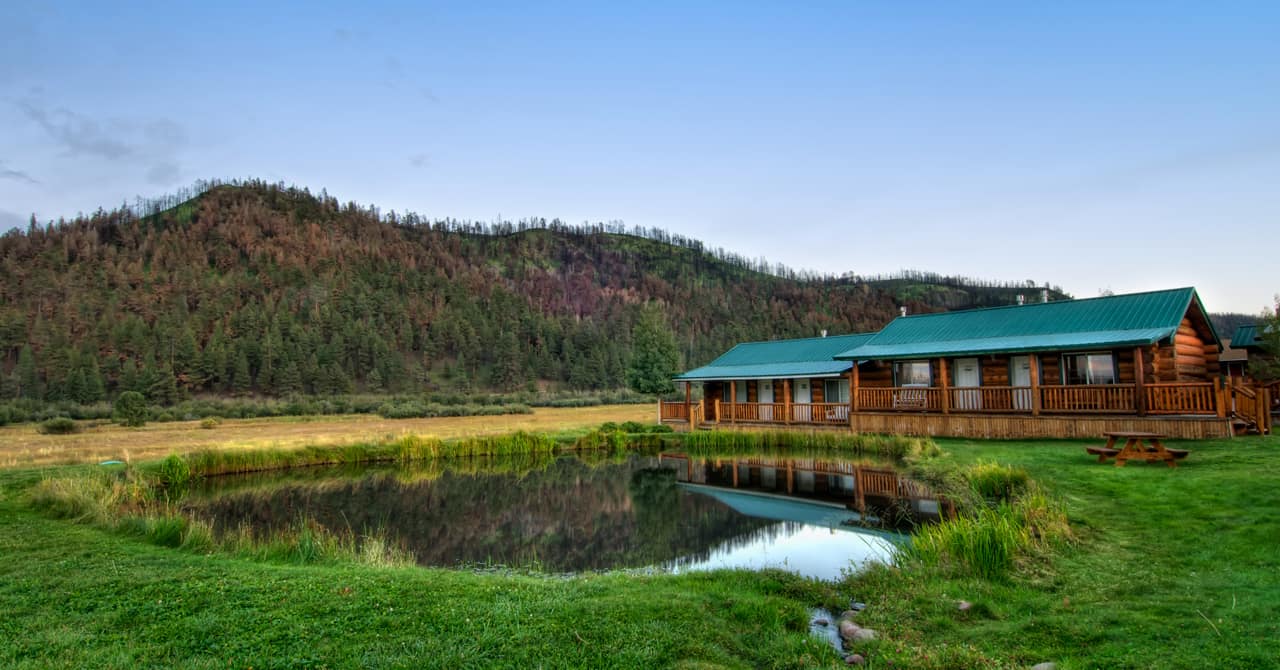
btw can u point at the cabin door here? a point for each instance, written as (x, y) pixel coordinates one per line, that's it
(801, 395)
(1020, 380)
(766, 399)
(968, 379)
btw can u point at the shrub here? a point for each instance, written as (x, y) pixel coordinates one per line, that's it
(59, 426)
(994, 481)
(209, 423)
(131, 409)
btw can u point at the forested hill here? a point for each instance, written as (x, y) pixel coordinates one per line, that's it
(258, 288)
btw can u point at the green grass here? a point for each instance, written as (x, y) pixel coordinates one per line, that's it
(1164, 568)
(1170, 568)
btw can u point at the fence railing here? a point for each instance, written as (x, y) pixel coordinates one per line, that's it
(1183, 398)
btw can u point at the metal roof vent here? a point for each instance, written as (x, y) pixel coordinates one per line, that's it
(903, 310)
(1044, 295)
(824, 332)
(1022, 299)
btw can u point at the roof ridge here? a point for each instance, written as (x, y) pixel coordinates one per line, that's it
(1071, 301)
(801, 339)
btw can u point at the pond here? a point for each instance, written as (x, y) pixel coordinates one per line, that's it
(566, 514)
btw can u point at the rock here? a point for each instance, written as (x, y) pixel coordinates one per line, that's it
(854, 659)
(848, 629)
(848, 614)
(821, 622)
(964, 605)
(1045, 666)
(863, 635)
(857, 606)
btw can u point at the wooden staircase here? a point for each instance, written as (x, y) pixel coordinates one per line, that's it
(1250, 409)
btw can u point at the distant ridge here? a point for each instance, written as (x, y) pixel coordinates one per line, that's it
(253, 287)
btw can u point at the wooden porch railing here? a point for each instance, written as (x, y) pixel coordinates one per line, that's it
(1091, 399)
(829, 413)
(900, 398)
(1187, 398)
(1182, 398)
(672, 411)
(1253, 405)
(1002, 399)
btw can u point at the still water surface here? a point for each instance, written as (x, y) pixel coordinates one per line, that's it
(566, 514)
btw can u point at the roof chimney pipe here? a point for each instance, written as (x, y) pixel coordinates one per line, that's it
(824, 332)
(1044, 295)
(902, 310)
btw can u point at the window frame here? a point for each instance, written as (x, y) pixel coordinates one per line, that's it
(1088, 368)
(897, 372)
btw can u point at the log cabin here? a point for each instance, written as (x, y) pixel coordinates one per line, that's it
(779, 381)
(1072, 368)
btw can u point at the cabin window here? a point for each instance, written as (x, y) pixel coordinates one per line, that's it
(835, 390)
(912, 373)
(741, 389)
(1099, 368)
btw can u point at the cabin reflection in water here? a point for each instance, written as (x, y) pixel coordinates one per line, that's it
(880, 496)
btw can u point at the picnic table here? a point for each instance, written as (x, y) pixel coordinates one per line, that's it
(1135, 450)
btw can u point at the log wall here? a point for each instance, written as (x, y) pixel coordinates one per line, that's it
(1006, 427)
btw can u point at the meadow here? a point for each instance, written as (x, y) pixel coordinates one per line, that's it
(22, 445)
(1162, 568)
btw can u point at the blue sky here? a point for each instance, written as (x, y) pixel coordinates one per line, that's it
(1112, 145)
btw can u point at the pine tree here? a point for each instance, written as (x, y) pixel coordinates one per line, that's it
(506, 374)
(163, 389)
(241, 381)
(289, 381)
(654, 356)
(28, 374)
(95, 389)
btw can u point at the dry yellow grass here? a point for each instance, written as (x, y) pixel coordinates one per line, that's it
(23, 446)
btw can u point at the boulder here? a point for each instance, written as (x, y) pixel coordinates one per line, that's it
(1047, 665)
(848, 629)
(854, 659)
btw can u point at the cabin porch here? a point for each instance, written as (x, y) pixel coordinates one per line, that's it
(1185, 410)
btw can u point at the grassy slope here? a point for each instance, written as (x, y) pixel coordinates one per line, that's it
(1158, 548)
(1162, 553)
(76, 597)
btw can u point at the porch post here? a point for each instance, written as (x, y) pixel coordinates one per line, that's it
(1034, 360)
(733, 401)
(946, 393)
(1218, 398)
(853, 393)
(1139, 382)
(688, 402)
(786, 401)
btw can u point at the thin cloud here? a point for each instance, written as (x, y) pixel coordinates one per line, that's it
(17, 175)
(153, 144)
(78, 134)
(418, 160)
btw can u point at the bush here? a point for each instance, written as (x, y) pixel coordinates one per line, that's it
(209, 423)
(994, 481)
(59, 426)
(131, 409)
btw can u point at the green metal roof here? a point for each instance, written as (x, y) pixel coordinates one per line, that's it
(1246, 336)
(780, 359)
(1111, 321)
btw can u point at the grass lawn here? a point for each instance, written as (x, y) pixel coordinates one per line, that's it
(1172, 568)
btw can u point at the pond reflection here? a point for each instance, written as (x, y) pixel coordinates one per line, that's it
(566, 515)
